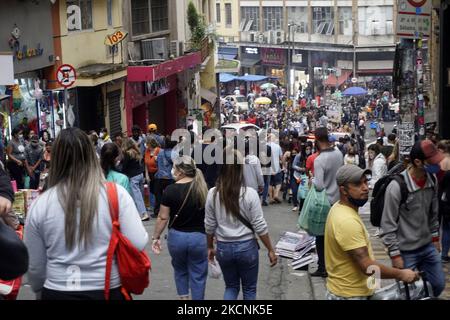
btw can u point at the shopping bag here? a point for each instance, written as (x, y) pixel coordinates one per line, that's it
(214, 270)
(318, 212)
(303, 218)
(303, 187)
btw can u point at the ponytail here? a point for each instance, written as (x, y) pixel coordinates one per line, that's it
(199, 189)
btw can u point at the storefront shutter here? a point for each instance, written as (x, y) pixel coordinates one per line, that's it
(114, 112)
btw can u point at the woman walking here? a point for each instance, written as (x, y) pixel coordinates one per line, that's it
(16, 157)
(233, 215)
(183, 208)
(69, 226)
(132, 167)
(109, 158)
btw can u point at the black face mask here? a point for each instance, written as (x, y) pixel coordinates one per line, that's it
(357, 202)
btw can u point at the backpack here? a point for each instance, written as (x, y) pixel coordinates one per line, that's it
(379, 190)
(134, 265)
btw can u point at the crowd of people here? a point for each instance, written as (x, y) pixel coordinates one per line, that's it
(214, 212)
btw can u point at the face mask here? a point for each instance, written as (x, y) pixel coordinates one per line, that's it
(102, 135)
(357, 202)
(432, 168)
(20, 136)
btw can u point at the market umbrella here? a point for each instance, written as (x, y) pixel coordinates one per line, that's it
(354, 91)
(263, 100)
(268, 85)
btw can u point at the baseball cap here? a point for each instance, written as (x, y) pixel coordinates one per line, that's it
(152, 127)
(350, 173)
(426, 150)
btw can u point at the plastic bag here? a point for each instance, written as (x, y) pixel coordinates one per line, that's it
(314, 212)
(214, 270)
(303, 187)
(26, 182)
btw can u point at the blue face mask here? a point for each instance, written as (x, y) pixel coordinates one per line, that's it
(357, 202)
(432, 168)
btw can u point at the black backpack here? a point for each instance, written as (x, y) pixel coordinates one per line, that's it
(379, 190)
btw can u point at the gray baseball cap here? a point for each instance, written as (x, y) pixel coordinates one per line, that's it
(350, 173)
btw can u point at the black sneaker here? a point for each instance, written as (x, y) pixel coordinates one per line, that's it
(318, 273)
(264, 204)
(445, 259)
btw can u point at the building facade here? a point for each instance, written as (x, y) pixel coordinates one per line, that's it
(293, 40)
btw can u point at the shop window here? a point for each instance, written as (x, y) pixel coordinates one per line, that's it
(79, 15)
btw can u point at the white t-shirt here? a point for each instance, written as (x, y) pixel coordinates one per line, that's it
(277, 153)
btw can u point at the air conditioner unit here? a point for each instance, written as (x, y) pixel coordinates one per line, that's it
(154, 49)
(278, 37)
(176, 48)
(260, 37)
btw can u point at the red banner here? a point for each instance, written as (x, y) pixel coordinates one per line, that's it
(275, 56)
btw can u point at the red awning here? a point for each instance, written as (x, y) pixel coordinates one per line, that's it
(164, 69)
(334, 81)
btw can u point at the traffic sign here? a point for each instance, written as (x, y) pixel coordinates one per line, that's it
(66, 75)
(414, 19)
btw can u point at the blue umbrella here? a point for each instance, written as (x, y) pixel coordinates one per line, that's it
(354, 91)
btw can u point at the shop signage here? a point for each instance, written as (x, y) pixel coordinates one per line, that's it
(414, 19)
(115, 38)
(157, 87)
(25, 52)
(273, 56)
(297, 58)
(251, 50)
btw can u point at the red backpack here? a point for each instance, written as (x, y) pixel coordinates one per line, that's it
(134, 265)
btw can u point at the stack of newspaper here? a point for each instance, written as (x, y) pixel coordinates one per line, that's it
(296, 246)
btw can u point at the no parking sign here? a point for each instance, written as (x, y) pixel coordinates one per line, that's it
(66, 75)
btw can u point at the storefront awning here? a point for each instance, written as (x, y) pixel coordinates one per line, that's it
(226, 56)
(248, 63)
(226, 77)
(375, 71)
(99, 73)
(164, 69)
(227, 53)
(252, 78)
(334, 81)
(208, 95)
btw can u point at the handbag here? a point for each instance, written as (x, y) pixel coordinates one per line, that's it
(314, 212)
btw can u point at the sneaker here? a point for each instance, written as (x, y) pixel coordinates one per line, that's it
(445, 259)
(318, 273)
(376, 234)
(265, 204)
(295, 209)
(277, 200)
(145, 217)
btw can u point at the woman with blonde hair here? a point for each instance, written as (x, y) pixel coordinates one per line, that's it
(183, 208)
(234, 216)
(133, 168)
(68, 228)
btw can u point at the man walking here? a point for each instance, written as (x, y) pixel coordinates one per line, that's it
(348, 251)
(326, 165)
(410, 229)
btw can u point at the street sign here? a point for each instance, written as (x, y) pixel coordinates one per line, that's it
(406, 137)
(297, 58)
(354, 80)
(66, 75)
(414, 19)
(115, 38)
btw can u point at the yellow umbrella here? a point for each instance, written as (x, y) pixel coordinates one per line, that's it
(263, 100)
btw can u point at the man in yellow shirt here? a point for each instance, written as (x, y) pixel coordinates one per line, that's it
(348, 253)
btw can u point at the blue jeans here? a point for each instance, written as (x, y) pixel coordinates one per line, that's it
(445, 237)
(427, 259)
(239, 261)
(189, 254)
(266, 187)
(137, 191)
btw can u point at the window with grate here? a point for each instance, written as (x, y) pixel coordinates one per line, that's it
(218, 12)
(79, 15)
(160, 15)
(298, 16)
(273, 18)
(323, 20)
(251, 15)
(109, 5)
(140, 17)
(228, 20)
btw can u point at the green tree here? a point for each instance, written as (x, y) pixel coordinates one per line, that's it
(193, 18)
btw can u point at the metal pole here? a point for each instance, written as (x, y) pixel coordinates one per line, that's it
(66, 105)
(288, 86)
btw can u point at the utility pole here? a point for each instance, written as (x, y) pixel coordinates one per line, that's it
(355, 32)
